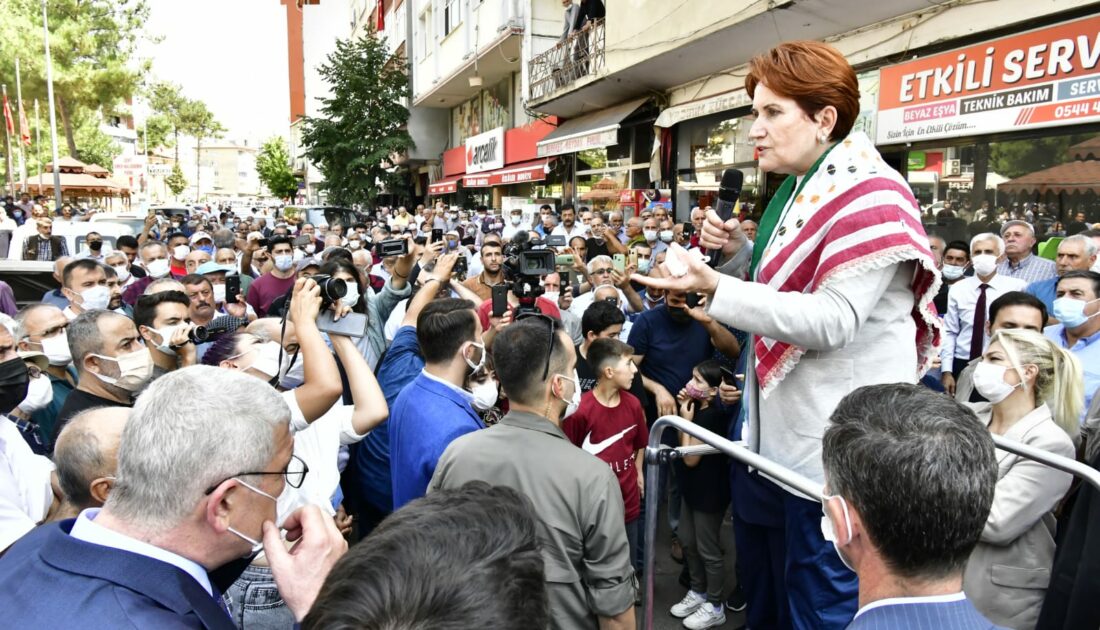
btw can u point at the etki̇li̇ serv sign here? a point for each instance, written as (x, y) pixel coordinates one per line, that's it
(1041, 78)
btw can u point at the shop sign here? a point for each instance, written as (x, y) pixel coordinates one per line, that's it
(485, 152)
(1041, 78)
(593, 140)
(705, 107)
(504, 177)
(443, 188)
(917, 161)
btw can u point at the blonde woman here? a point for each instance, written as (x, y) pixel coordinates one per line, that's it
(1034, 389)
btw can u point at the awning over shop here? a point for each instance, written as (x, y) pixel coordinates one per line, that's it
(444, 186)
(532, 171)
(591, 131)
(1077, 176)
(676, 114)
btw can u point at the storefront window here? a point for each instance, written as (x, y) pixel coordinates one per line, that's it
(491, 108)
(713, 145)
(1052, 180)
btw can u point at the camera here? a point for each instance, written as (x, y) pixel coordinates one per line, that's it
(332, 289)
(461, 267)
(393, 247)
(198, 334)
(525, 262)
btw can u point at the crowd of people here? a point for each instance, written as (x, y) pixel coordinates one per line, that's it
(257, 422)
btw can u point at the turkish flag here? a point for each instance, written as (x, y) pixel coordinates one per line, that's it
(24, 127)
(381, 26)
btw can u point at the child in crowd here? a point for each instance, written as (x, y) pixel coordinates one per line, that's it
(610, 424)
(705, 488)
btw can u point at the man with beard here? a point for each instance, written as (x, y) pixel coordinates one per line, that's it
(492, 274)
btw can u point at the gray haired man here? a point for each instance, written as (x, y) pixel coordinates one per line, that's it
(194, 492)
(909, 481)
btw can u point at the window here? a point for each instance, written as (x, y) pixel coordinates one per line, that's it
(452, 16)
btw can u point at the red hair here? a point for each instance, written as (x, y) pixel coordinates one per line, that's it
(814, 75)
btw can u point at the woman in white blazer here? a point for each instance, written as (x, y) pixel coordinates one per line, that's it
(1034, 389)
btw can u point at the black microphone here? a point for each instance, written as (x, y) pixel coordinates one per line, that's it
(728, 193)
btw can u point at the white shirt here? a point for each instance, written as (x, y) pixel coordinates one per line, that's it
(318, 445)
(86, 529)
(962, 298)
(583, 301)
(25, 491)
(510, 230)
(926, 599)
(579, 229)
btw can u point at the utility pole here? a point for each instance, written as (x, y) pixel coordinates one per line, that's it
(53, 117)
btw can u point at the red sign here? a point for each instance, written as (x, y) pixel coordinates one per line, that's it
(520, 173)
(444, 187)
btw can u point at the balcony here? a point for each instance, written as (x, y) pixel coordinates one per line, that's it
(580, 55)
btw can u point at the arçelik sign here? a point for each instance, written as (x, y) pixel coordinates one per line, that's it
(485, 152)
(1040, 78)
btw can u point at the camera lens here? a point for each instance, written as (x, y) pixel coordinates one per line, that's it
(198, 335)
(332, 289)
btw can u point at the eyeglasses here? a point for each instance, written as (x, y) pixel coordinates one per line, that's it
(601, 272)
(552, 330)
(294, 473)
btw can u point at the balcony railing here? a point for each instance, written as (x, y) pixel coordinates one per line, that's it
(580, 54)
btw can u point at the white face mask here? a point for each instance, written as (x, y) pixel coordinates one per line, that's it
(352, 297)
(123, 272)
(266, 359)
(829, 532)
(219, 293)
(475, 367)
(56, 349)
(165, 335)
(953, 272)
(179, 252)
(311, 248)
(355, 244)
(157, 268)
(989, 380)
(572, 404)
(284, 262)
(516, 220)
(650, 235)
(485, 395)
(984, 264)
(135, 369)
(96, 298)
(552, 296)
(39, 395)
(666, 236)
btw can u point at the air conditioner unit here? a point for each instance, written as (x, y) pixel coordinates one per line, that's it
(952, 168)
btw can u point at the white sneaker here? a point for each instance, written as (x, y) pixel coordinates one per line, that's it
(689, 604)
(706, 616)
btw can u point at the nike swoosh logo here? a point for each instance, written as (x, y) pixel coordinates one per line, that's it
(601, 446)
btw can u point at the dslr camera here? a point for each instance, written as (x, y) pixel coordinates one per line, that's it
(526, 260)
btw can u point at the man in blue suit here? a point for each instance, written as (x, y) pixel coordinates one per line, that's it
(909, 480)
(196, 488)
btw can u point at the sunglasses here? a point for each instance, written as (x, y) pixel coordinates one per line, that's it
(554, 326)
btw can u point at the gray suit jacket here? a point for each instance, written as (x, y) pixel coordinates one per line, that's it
(856, 332)
(1008, 572)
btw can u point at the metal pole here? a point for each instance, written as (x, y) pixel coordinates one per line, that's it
(19, 138)
(1065, 464)
(38, 145)
(53, 117)
(7, 141)
(656, 455)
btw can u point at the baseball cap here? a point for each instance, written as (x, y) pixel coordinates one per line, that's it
(198, 236)
(306, 263)
(212, 267)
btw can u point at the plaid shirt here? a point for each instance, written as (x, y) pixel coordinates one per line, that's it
(45, 248)
(1030, 269)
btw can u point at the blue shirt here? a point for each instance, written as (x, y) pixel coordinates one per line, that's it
(672, 349)
(1044, 291)
(401, 364)
(427, 416)
(1087, 351)
(55, 297)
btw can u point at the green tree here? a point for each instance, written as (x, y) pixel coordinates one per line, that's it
(362, 126)
(157, 132)
(1014, 158)
(168, 102)
(273, 167)
(92, 43)
(96, 147)
(198, 121)
(176, 181)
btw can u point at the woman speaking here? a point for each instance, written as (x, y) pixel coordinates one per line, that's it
(840, 291)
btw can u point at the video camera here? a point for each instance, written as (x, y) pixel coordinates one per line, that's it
(526, 260)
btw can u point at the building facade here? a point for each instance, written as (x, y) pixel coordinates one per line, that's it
(971, 105)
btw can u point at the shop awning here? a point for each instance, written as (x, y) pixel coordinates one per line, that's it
(1077, 176)
(591, 131)
(532, 171)
(444, 186)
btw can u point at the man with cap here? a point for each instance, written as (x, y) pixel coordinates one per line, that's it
(304, 268)
(202, 241)
(1019, 262)
(216, 275)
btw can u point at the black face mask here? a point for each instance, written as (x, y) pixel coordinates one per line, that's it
(679, 315)
(13, 383)
(95, 246)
